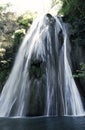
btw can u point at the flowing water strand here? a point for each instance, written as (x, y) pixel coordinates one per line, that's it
(41, 81)
(73, 104)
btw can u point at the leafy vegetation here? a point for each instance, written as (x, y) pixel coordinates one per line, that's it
(12, 31)
(73, 9)
(26, 19)
(81, 72)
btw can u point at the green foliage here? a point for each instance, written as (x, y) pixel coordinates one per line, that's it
(12, 31)
(73, 9)
(26, 20)
(5, 64)
(3, 78)
(18, 35)
(81, 72)
(17, 39)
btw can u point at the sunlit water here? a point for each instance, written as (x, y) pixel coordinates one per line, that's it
(51, 90)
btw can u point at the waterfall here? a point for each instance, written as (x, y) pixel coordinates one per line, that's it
(41, 81)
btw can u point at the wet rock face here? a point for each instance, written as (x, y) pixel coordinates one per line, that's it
(37, 74)
(78, 49)
(36, 69)
(50, 19)
(37, 87)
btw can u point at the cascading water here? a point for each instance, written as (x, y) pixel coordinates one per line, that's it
(41, 81)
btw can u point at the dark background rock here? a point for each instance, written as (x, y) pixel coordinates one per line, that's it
(78, 51)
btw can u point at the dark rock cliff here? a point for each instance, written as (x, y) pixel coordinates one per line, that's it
(77, 38)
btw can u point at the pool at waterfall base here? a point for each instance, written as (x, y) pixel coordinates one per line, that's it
(43, 123)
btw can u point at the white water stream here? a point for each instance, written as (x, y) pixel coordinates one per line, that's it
(54, 91)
